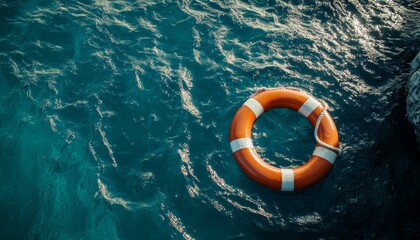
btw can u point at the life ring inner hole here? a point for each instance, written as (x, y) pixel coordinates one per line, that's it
(283, 138)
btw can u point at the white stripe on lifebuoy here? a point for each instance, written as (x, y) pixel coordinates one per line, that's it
(309, 106)
(240, 143)
(255, 106)
(326, 154)
(287, 179)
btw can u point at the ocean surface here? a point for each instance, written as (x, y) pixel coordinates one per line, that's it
(114, 118)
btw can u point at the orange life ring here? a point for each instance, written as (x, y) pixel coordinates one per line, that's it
(284, 179)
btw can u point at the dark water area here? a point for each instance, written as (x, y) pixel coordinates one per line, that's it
(114, 118)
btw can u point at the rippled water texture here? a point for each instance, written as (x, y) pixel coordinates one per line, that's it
(114, 118)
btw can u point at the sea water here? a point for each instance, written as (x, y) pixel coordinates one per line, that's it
(114, 118)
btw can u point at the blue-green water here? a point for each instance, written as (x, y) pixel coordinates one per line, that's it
(114, 118)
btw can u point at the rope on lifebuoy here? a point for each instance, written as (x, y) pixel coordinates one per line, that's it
(318, 121)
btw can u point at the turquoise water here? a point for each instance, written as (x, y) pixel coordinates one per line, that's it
(114, 118)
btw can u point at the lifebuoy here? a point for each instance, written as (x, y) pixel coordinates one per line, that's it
(284, 179)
